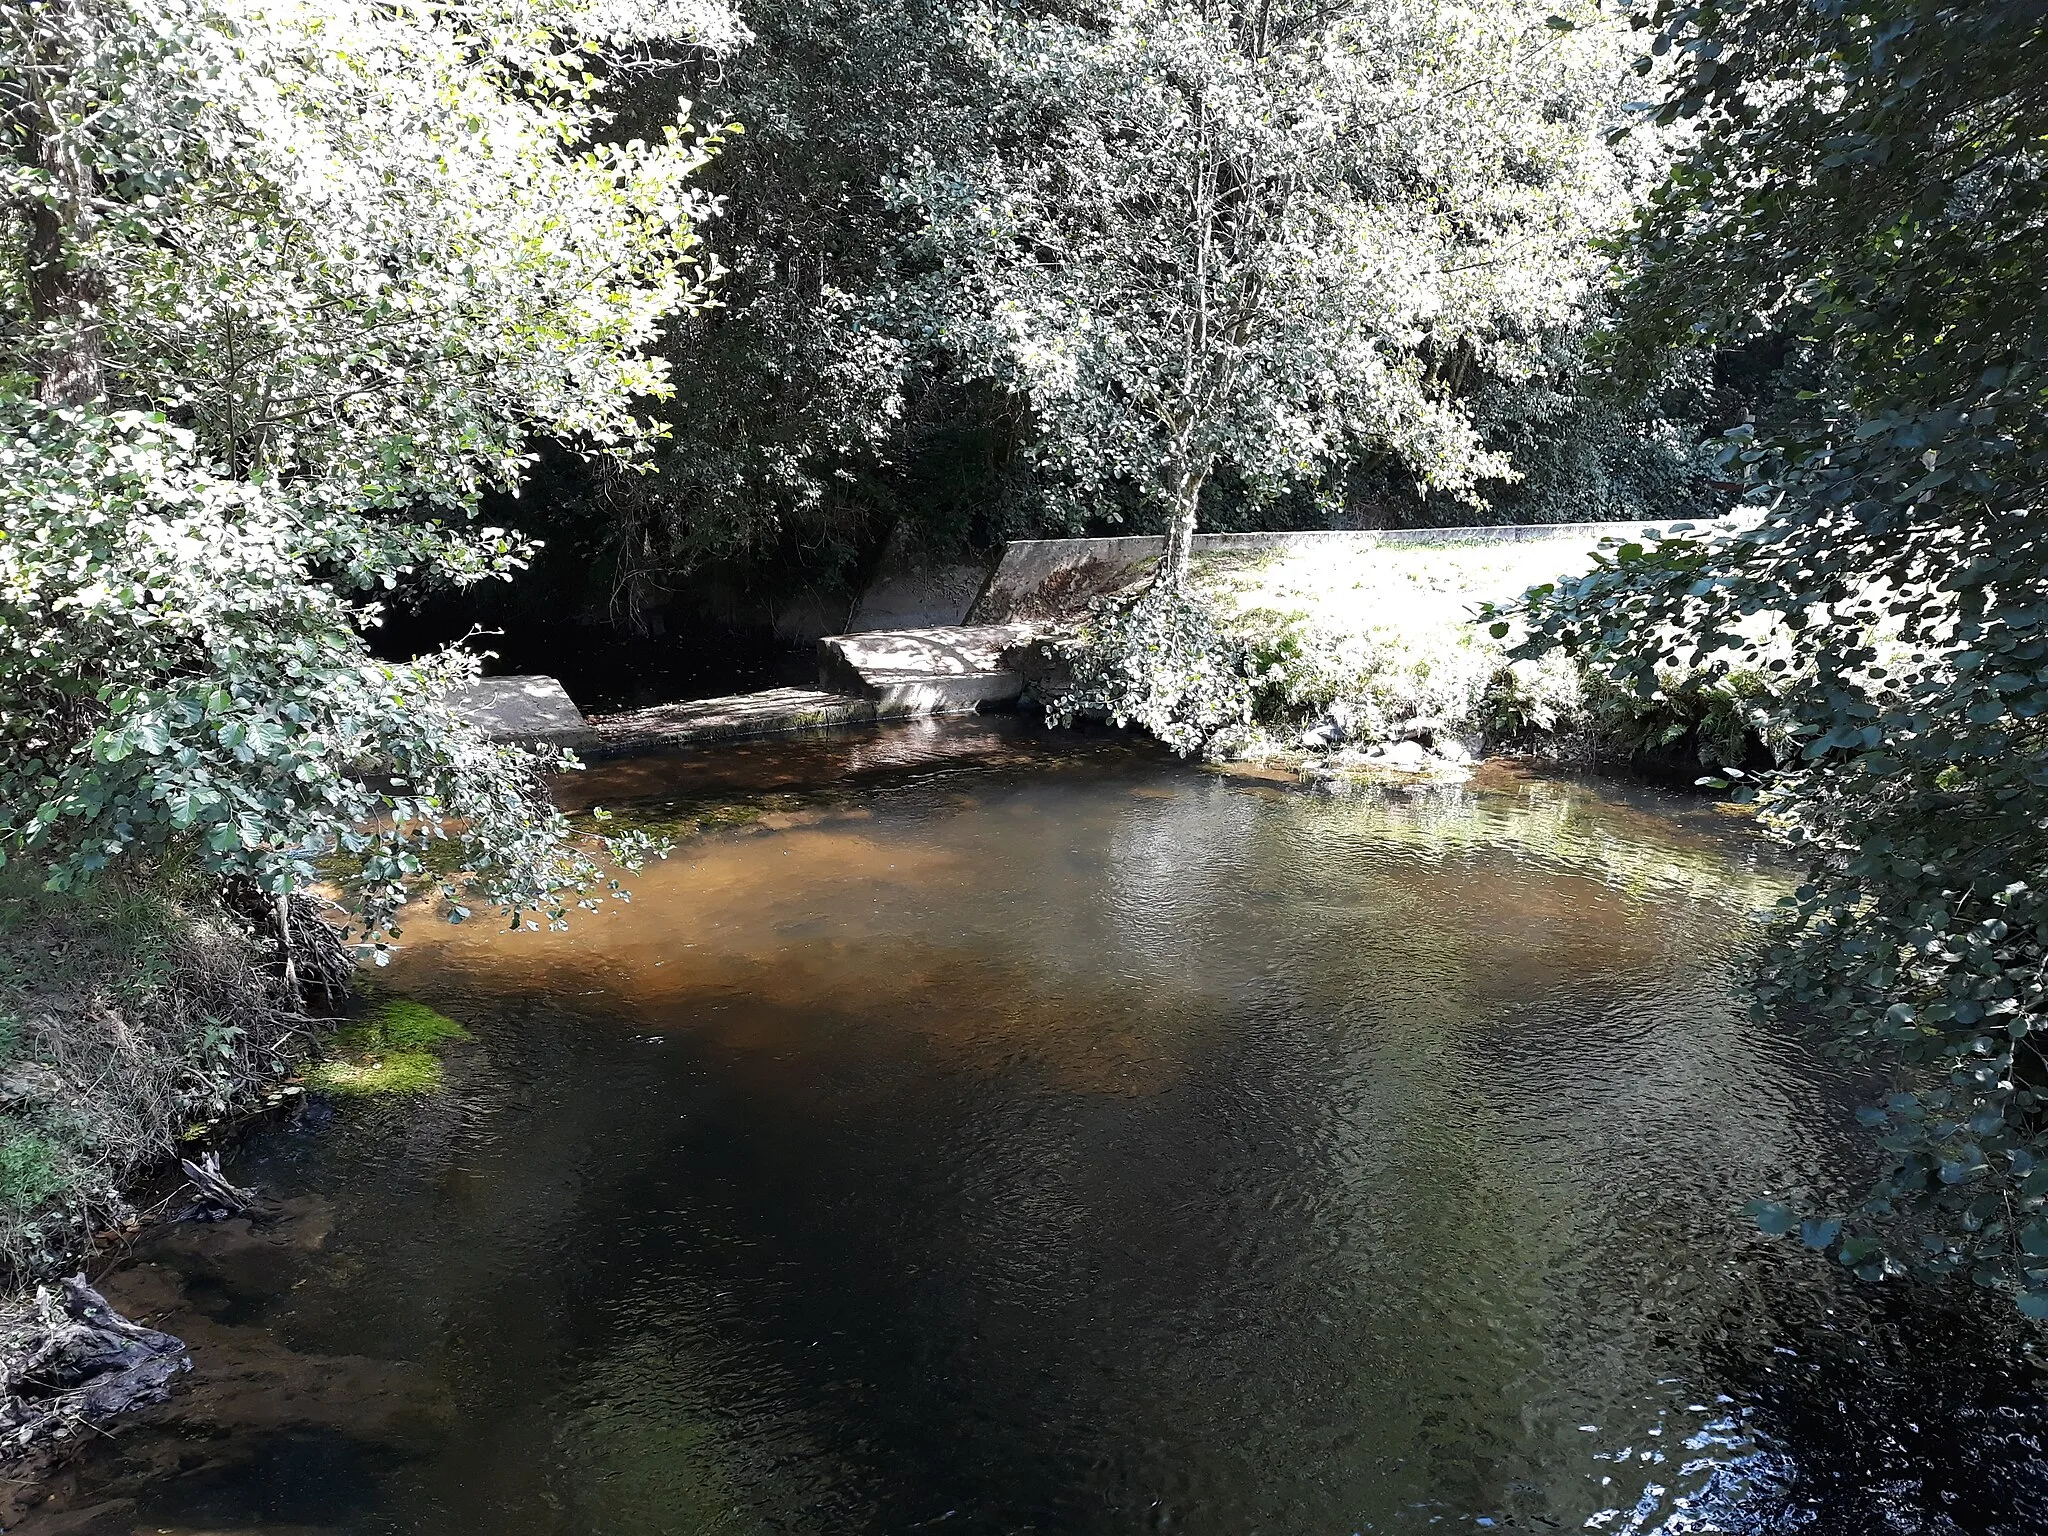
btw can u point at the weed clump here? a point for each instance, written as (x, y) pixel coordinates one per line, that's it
(394, 1050)
(1161, 663)
(1365, 648)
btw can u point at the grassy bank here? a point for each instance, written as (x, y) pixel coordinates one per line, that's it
(1329, 653)
(131, 1017)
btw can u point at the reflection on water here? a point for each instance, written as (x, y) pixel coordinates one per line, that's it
(1064, 1140)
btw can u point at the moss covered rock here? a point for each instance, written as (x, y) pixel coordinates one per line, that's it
(394, 1049)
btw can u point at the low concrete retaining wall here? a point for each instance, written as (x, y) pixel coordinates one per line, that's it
(530, 710)
(1055, 578)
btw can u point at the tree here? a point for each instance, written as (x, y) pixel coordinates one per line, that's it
(1867, 183)
(809, 418)
(285, 288)
(1257, 235)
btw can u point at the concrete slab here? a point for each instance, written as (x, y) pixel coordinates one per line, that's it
(735, 717)
(952, 670)
(529, 709)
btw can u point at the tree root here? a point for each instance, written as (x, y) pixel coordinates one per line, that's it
(74, 1363)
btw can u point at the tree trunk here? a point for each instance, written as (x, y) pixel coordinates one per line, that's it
(1185, 488)
(64, 288)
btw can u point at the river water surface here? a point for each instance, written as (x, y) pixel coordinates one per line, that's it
(1006, 1133)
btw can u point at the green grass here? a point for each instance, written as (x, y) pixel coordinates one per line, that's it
(30, 1171)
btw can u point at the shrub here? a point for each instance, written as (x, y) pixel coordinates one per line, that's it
(1160, 662)
(1708, 720)
(1533, 706)
(128, 1012)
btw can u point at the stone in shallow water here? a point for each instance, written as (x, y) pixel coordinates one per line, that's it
(522, 709)
(1408, 756)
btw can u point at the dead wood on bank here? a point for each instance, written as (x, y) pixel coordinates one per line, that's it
(74, 1363)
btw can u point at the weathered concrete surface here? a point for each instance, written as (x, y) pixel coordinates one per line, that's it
(932, 597)
(926, 671)
(1054, 580)
(775, 712)
(530, 709)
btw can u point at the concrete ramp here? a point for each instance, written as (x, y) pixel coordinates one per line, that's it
(926, 671)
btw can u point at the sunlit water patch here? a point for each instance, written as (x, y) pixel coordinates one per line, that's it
(994, 1135)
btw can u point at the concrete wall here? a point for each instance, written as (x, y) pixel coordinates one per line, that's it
(932, 598)
(1056, 578)
(529, 709)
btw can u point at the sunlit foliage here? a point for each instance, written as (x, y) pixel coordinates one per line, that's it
(284, 288)
(1258, 237)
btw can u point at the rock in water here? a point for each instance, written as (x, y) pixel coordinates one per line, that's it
(1338, 725)
(75, 1363)
(1407, 756)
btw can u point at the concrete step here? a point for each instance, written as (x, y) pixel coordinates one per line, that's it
(530, 710)
(774, 712)
(926, 671)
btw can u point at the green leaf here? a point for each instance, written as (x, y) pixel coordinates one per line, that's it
(1772, 1218)
(1817, 1234)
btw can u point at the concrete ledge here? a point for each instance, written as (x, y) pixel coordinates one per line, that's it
(961, 693)
(735, 717)
(925, 671)
(529, 710)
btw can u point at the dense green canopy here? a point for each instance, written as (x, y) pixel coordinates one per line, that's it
(285, 287)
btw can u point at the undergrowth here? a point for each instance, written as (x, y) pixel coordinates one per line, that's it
(1256, 651)
(130, 1013)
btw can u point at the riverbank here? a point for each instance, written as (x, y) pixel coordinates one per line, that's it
(1336, 658)
(136, 1016)
(133, 1016)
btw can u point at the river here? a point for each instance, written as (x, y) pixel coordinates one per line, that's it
(976, 1131)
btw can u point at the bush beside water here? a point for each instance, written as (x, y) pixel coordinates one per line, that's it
(1255, 652)
(129, 1014)
(133, 1015)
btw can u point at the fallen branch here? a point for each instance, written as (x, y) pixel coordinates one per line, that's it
(218, 1199)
